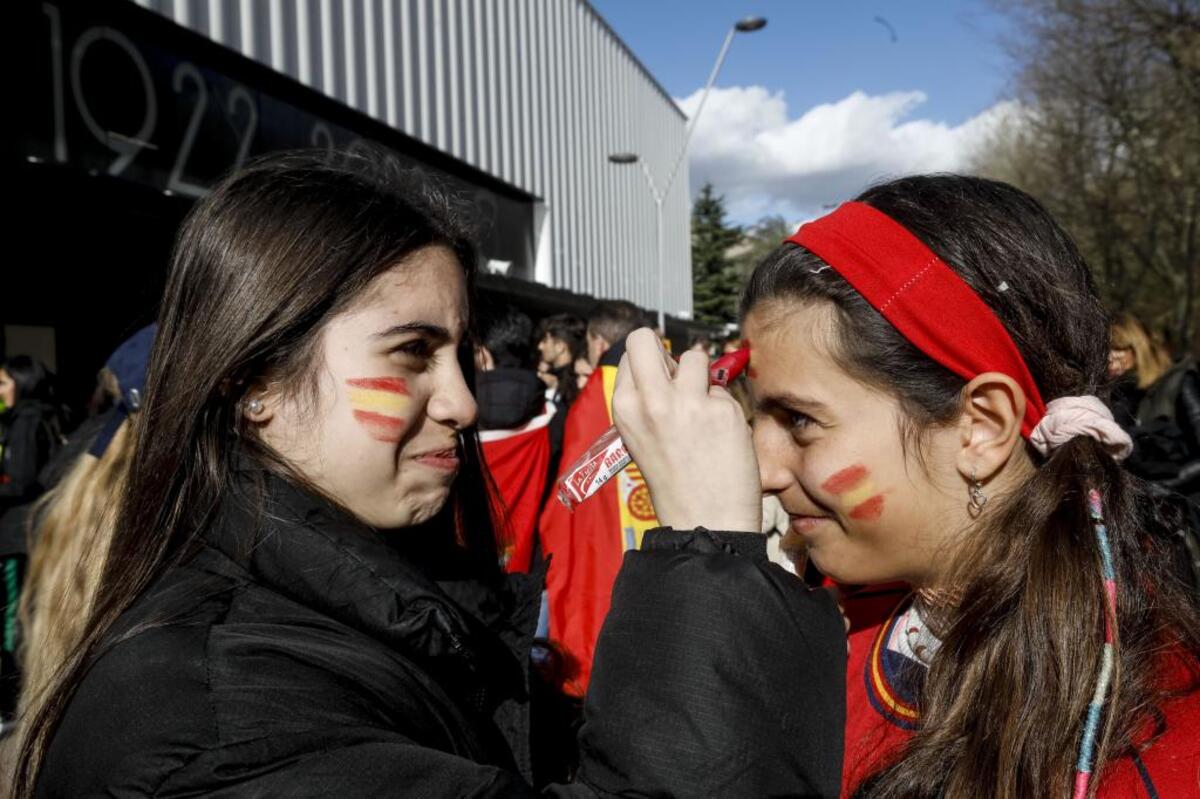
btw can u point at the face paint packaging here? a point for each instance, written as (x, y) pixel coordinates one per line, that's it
(606, 458)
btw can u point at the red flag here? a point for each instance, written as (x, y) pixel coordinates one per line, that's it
(518, 460)
(586, 546)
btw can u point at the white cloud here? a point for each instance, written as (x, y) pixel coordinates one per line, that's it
(766, 162)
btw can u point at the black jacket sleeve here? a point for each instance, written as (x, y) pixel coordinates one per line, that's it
(1186, 479)
(1189, 410)
(717, 673)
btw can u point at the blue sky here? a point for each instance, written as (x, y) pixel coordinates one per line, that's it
(829, 81)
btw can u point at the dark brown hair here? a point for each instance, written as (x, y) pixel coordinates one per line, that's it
(260, 266)
(1003, 702)
(613, 320)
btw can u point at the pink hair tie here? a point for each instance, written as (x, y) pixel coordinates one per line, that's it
(1068, 417)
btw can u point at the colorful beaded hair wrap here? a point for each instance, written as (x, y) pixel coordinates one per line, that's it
(935, 310)
(1091, 727)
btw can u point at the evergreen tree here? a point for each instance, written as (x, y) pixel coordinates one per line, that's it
(715, 279)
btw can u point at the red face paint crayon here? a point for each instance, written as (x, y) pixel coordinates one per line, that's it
(606, 458)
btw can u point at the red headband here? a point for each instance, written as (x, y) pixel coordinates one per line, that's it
(920, 295)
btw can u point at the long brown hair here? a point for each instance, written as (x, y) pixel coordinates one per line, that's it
(1003, 702)
(259, 267)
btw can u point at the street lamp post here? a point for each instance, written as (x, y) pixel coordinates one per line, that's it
(746, 25)
(629, 158)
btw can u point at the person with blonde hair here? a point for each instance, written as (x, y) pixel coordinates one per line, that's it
(71, 526)
(1163, 412)
(1133, 350)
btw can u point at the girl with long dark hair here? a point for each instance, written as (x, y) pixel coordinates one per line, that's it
(303, 595)
(926, 364)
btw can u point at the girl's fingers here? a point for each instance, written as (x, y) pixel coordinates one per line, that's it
(692, 375)
(646, 364)
(625, 379)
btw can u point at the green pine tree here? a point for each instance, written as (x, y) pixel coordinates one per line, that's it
(715, 278)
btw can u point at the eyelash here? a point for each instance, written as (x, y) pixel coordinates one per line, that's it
(417, 348)
(799, 422)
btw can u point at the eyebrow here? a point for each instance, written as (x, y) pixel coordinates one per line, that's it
(424, 328)
(789, 401)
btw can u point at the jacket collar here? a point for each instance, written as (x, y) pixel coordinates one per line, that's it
(304, 548)
(612, 355)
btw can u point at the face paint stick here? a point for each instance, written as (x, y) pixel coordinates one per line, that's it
(606, 458)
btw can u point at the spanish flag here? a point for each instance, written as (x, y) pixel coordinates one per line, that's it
(380, 404)
(586, 547)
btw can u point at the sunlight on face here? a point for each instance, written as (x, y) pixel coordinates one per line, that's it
(383, 436)
(830, 447)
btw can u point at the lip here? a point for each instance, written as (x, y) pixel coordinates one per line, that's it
(804, 525)
(445, 460)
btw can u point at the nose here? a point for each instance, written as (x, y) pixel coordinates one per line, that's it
(770, 446)
(452, 403)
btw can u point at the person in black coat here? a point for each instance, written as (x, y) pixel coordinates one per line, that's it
(1157, 400)
(30, 429)
(303, 596)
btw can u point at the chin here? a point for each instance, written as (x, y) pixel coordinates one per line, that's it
(408, 514)
(422, 508)
(838, 570)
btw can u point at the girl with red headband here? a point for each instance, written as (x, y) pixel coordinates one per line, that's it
(928, 366)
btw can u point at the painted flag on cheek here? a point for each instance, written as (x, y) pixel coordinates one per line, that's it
(380, 405)
(857, 492)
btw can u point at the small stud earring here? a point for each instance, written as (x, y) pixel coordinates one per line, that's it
(977, 498)
(256, 406)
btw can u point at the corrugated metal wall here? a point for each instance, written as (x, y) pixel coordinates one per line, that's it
(534, 92)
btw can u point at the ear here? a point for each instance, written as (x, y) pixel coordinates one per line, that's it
(990, 425)
(484, 361)
(258, 404)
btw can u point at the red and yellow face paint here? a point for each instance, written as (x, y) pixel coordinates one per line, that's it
(380, 405)
(857, 492)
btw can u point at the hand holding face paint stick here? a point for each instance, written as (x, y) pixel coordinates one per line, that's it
(670, 386)
(608, 456)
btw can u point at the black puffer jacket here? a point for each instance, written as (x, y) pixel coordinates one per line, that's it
(508, 398)
(28, 439)
(1167, 435)
(316, 658)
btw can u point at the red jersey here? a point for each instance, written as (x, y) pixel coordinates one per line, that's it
(888, 644)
